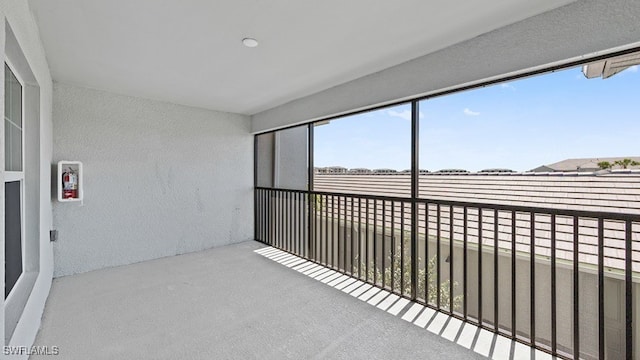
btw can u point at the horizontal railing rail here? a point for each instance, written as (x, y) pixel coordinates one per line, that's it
(550, 278)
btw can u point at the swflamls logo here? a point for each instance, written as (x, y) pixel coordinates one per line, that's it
(30, 350)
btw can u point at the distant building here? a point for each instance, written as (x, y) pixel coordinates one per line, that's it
(421, 171)
(331, 170)
(452, 172)
(582, 165)
(494, 171)
(359, 171)
(384, 171)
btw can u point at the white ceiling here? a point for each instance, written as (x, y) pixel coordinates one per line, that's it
(189, 52)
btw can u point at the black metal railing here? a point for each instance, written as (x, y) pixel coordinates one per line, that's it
(549, 278)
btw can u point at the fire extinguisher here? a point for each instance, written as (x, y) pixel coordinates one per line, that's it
(69, 184)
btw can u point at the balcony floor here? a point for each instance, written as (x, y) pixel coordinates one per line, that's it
(229, 302)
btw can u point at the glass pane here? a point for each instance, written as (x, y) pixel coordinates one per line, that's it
(13, 121)
(7, 145)
(16, 149)
(16, 101)
(12, 147)
(7, 91)
(12, 235)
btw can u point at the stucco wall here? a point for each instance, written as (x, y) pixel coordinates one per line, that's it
(159, 179)
(16, 13)
(574, 30)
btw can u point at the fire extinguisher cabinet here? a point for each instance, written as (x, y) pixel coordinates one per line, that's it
(70, 182)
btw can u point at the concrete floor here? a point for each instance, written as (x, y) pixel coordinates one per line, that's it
(233, 302)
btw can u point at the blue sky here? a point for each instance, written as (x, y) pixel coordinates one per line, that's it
(517, 125)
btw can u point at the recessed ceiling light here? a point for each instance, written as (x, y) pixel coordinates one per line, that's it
(250, 42)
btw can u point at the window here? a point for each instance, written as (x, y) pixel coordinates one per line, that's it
(14, 178)
(366, 153)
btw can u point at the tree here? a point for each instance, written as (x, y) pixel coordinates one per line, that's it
(400, 272)
(604, 165)
(625, 163)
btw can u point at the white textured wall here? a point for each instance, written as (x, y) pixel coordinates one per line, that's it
(159, 179)
(18, 16)
(574, 30)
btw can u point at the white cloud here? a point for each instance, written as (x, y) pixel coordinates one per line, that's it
(406, 114)
(470, 113)
(634, 68)
(507, 86)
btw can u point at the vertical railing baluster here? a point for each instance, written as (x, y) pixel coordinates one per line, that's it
(298, 222)
(273, 218)
(281, 195)
(438, 244)
(513, 274)
(344, 238)
(451, 259)
(465, 235)
(292, 222)
(267, 216)
(375, 241)
(300, 231)
(496, 303)
(352, 238)
(426, 251)
(359, 238)
(384, 248)
(310, 219)
(273, 212)
(601, 346)
(554, 332)
(334, 237)
(480, 221)
(285, 220)
(326, 231)
(287, 202)
(576, 290)
(402, 249)
(393, 244)
(258, 215)
(307, 228)
(628, 286)
(277, 219)
(287, 214)
(317, 227)
(532, 264)
(298, 226)
(366, 230)
(320, 225)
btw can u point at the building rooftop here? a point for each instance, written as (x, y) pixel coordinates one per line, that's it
(583, 164)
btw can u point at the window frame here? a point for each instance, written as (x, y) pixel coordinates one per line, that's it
(12, 176)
